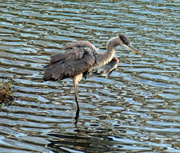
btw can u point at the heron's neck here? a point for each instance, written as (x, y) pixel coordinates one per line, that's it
(104, 58)
(111, 45)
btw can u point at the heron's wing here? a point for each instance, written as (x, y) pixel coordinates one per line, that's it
(69, 67)
(75, 51)
(103, 70)
(82, 65)
(77, 59)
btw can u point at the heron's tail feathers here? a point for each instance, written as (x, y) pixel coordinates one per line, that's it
(54, 71)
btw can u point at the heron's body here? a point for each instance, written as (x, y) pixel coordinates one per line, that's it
(83, 59)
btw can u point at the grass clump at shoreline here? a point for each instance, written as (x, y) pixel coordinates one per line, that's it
(6, 96)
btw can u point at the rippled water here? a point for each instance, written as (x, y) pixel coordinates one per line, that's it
(135, 110)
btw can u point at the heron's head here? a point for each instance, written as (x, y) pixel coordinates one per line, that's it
(125, 42)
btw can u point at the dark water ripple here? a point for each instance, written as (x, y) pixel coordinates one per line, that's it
(136, 109)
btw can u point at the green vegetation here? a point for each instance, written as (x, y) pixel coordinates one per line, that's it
(6, 96)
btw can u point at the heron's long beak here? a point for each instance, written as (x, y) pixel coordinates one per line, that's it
(133, 49)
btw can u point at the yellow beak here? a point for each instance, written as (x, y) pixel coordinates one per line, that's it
(133, 49)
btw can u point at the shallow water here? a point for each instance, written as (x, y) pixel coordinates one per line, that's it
(136, 109)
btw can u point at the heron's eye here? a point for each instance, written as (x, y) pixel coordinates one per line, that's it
(124, 39)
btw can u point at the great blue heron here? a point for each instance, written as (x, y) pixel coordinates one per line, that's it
(83, 59)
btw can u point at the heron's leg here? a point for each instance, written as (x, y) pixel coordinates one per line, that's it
(76, 95)
(76, 99)
(77, 116)
(76, 79)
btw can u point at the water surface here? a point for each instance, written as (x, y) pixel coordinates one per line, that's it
(135, 109)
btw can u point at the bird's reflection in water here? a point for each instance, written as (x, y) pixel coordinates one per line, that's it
(97, 141)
